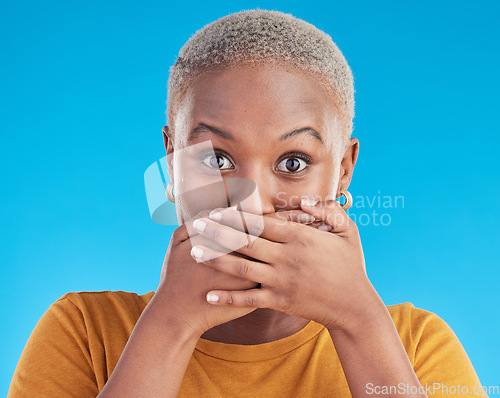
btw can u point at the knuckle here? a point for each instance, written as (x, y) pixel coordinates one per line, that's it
(248, 243)
(343, 222)
(229, 299)
(243, 268)
(301, 240)
(283, 302)
(346, 221)
(251, 301)
(257, 225)
(281, 219)
(274, 215)
(276, 280)
(213, 231)
(201, 214)
(213, 261)
(178, 234)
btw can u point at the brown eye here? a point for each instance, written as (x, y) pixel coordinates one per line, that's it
(217, 162)
(292, 165)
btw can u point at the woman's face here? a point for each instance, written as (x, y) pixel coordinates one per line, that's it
(267, 133)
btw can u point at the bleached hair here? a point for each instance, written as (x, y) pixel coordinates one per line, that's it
(267, 36)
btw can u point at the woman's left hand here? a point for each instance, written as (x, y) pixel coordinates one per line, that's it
(312, 273)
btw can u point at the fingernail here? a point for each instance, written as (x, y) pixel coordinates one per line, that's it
(235, 207)
(306, 218)
(308, 202)
(325, 227)
(212, 298)
(197, 252)
(215, 215)
(200, 225)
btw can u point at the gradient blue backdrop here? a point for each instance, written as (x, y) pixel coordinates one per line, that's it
(83, 90)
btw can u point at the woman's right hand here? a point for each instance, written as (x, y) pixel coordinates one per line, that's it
(184, 284)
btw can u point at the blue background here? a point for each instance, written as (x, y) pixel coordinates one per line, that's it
(83, 90)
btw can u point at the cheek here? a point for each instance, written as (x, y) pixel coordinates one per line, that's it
(200, 194)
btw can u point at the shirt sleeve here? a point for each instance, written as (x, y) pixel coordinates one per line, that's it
(441, 363)
(56, 360)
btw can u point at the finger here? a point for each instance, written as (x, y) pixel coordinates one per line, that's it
(253, 298)
(270, 228)
(298, 216)
(241, 242)
(186, 230)
(331, 213)
(241, 267)
(207, 242)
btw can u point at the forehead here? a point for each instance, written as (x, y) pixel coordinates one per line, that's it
(270, 99)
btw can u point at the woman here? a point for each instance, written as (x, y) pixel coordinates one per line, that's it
(269, 298)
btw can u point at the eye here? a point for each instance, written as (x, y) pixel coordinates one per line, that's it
(217, 161)
(295, 163)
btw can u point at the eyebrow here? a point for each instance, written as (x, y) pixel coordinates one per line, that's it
(202, 128)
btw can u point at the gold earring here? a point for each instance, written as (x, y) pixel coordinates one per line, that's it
(348, 198)
(170, 192)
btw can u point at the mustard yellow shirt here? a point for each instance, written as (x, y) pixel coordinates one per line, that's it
(77, 342)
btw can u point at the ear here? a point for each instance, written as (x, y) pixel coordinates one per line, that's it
(347, 164)
(169, 147)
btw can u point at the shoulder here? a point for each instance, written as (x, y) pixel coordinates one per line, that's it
(434, 350)
(103, 319)
(406, 314)
(75, 341)
(106, 298)
(101, 307)
(423, 333)
(416, 322)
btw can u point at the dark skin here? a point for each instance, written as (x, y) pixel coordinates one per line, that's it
(276, 274)
(257, 105)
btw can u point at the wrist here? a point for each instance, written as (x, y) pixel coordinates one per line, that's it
(370, 312)
(161, 313)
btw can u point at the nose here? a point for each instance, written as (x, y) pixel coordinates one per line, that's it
(251, 193)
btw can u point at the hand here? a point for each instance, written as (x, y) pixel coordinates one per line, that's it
(301, 217)
(305, 272)
(184, 284)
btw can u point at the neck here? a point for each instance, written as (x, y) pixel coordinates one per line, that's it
(260, 326)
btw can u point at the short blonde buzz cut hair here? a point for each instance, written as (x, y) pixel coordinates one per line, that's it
(264, 36)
